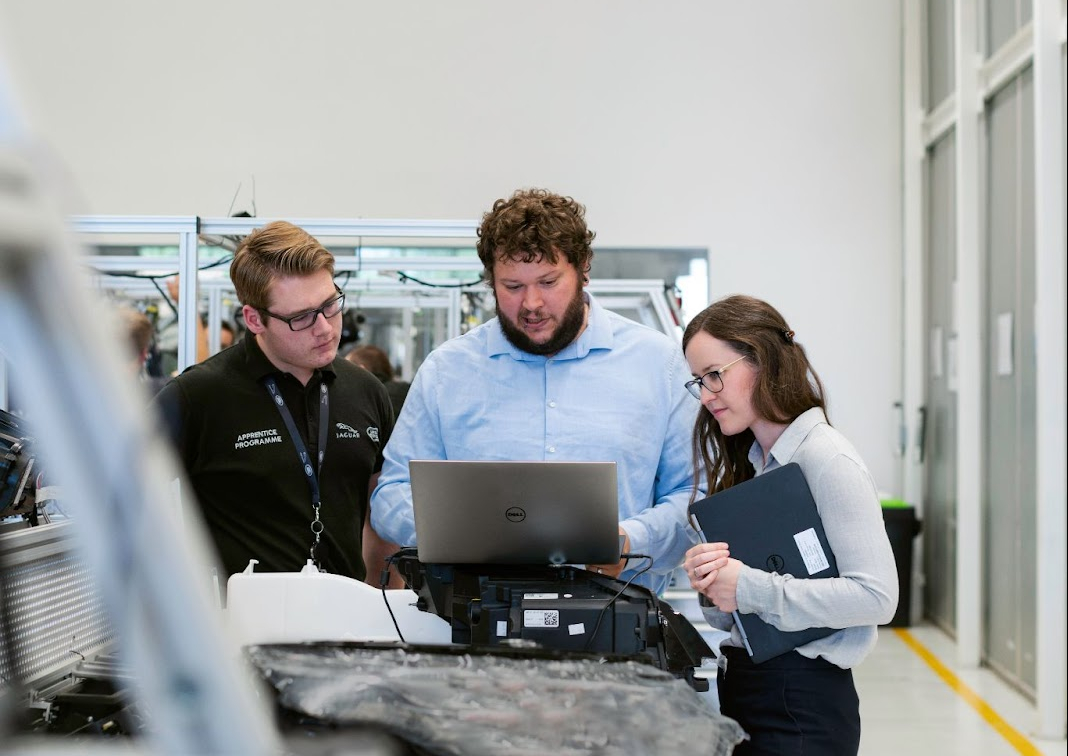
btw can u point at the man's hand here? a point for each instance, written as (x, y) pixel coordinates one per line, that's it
(375, 553)
(613, 570)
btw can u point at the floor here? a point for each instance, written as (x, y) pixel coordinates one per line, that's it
(909, 708)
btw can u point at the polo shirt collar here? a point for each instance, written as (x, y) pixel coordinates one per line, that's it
(597, 335)
(259, 367)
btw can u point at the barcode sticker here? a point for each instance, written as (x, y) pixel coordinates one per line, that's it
(541, 618)
(808, 543)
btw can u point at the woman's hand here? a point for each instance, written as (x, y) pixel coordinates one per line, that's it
(713, 573)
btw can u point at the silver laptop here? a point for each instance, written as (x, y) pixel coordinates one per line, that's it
(469, 512)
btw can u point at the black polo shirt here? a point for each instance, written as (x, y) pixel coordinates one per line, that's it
(244, 467)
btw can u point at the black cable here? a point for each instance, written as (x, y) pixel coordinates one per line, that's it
(464, 285)
(611, 601)
(156, 277)
(163, 294)
(127, 274)
(384, 581)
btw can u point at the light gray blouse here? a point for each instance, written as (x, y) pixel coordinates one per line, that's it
(866, 591)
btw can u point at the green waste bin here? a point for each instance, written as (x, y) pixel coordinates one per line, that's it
(902, 527)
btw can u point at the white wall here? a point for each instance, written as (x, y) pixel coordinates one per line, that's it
(768, 132)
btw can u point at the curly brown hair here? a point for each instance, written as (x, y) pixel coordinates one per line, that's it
(275, 250)
(786, 384)
(534, 225)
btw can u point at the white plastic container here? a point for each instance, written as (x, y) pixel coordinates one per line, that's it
(294, 607)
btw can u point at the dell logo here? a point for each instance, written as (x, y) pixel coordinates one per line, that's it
(515, 514)
(775, 563)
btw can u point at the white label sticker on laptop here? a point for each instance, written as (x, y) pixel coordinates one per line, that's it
(808, 543)
(541, 618)
(549, 596)
(502, 628)
(579, 628)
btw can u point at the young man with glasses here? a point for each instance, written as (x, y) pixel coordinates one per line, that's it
(555, 376)
(281, 439)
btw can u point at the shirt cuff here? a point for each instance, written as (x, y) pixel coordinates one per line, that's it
(753, 589)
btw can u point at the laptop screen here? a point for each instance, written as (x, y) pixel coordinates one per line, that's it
(494, 512)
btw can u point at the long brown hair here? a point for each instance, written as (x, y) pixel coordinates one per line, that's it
(786, 384)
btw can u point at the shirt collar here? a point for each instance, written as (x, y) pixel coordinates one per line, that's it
(783, 450)
(596, 335)
(260, 367)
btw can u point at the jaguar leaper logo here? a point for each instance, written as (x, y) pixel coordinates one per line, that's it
(346, 431)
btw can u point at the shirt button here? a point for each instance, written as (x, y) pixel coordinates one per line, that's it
(552, 404)
(551, 450)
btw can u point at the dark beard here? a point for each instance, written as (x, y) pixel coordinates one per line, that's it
(567, 330)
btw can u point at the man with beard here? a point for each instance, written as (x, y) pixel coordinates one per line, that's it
(557, 377)
(282, 439)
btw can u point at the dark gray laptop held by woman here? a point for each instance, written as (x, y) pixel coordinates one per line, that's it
(482, 512)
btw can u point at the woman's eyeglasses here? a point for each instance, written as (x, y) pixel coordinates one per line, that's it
(712, 380)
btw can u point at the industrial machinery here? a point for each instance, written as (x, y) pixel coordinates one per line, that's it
(16, 466)
(557, 607)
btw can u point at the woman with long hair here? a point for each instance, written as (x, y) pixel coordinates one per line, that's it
(764, 407)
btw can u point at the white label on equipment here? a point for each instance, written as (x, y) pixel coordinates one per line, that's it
(808, 543)
(549, 596)
(576, 629)
(502, 628)
(541, 618)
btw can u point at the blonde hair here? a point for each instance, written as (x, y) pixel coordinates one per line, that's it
(272, 251)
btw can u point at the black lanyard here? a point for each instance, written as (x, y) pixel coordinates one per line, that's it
(302, 451)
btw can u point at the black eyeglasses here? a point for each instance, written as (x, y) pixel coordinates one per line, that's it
(304, 320)
(713, 380)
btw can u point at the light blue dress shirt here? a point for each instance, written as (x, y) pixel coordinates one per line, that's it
(614, 394)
